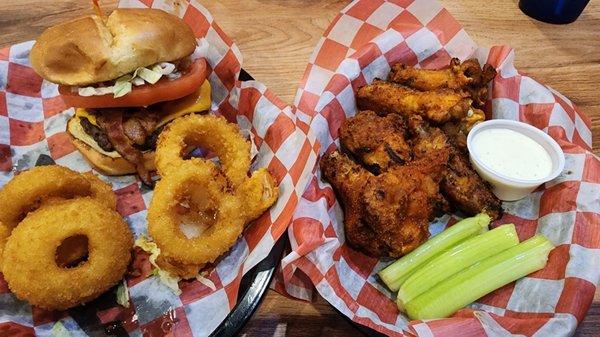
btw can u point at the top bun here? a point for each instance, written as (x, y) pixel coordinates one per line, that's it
(87, 50)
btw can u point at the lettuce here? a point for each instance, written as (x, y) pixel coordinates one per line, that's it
(164, 277)
(59, 330)
(148, 75)
(121, 89)
(124, 84)
(123, 294)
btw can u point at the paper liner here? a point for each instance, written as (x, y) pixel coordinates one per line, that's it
(363, 41)
(33, 121)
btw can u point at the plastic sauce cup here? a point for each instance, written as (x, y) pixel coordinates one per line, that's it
(508, 188)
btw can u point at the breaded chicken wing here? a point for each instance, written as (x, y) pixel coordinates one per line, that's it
(348, 180)
(457, 132)
(396, 171)
(461, 185)
(468, 77)
(437, 106)
(376, 141)
(479, 93)
(456, 76)
(388, 214)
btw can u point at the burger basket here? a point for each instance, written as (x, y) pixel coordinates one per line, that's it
(32, 123)
(361, 44)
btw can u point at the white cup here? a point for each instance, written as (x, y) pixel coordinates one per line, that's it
(508, 188)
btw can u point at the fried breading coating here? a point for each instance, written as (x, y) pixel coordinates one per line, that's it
(437, 106)
(259, 192)
(467, 76)
(456, 76)
(377, 142)
(216, 201)
(457, 132)
(203, 187)
(406, 170)
(30, 267)
(399, 203)
(479, 93)
(44, 185)
(461, 185)
(207, 131)
(348, 180)
(388, 214)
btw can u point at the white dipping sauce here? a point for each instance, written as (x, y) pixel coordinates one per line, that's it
(512, 154)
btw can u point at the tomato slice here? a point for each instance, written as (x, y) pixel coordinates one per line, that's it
(144, 95)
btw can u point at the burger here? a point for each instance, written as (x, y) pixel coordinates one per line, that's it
(127, 76)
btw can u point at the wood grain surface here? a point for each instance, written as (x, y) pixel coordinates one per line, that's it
(277, 37)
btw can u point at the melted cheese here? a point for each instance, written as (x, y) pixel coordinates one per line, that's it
(196, 102)
(83, 113)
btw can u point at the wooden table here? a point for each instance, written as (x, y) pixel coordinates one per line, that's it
(564, 57)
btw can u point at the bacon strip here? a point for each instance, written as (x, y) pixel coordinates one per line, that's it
(111, 121)
(139, 125)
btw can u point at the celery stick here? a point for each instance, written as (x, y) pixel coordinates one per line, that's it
(456, 259)
(395, 274)
(480, 279)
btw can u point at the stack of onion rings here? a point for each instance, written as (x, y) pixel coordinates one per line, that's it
(233, 197)
(62, 242)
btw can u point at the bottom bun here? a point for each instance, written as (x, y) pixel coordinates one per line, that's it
(111, 166)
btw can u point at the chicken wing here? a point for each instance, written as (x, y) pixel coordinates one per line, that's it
(461, 185)
(479, 93)
(468, 76)
(437, 106)
(377, 142)
(457, 132)
(388, 214)
(348, 180)
(407, 170)
(456, 76)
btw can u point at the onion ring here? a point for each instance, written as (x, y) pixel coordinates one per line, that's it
(76, 249)
(175, 268)
(101, 191)
(223, 198)
(98, 190)
(258, 193)
(44, 185)
(208, 131)
(4, 234)
(31, 251)
(26, 191)
(164, 221)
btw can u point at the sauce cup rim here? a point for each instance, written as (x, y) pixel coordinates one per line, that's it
(557, 165)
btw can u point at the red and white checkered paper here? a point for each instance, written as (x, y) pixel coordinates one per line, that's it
(33, 121)
(362, 42)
